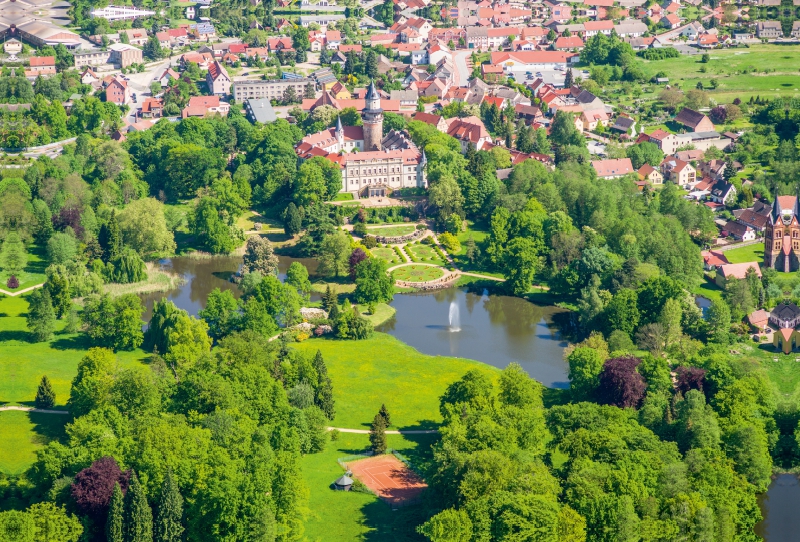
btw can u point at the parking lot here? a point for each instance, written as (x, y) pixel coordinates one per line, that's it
(553, 77)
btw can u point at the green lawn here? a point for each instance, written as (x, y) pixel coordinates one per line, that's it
(479, 235)
(750, 253)
(392, 231)
(338, 516)
(343, 196)
(418, 273)
(32, 274)
(387, 254)
(383, 312)
(22, 433)
(709, 290)
(423, 253)
(382, 369)
(23, 363)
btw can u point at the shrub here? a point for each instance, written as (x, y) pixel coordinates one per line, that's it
(370, 241)
(422, 227)
(360, 229)
(12, 282)
(450, 242)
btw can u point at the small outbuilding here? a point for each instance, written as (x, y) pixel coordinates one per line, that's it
(344, 483)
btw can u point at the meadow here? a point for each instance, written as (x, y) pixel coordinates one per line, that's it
(749, 253)
(22, 433)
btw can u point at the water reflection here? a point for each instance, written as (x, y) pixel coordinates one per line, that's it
(495, 329)
(779, 507)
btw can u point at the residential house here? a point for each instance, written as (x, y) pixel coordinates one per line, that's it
(670, 21)
(739, 271)
(612, 167)
(625, 126)
(534, 60)
(218, 80)
(722, 192)
(769, 29)
(529, 114)
(440, 123)
(468, 131)
(650, 174)
(152, 108)
(667, 142)
(88, 77)
(491, 73)
(714, 169)
(166, 77)
(755, 217)
(679, 172)
(117, 91)
(568, 44)
(260, 111)
(200, 106)
(692, 30)
(739, 232)
(694, 120)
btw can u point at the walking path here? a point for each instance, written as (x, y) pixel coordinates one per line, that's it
(34, 410)
(23, 291)
(366, 431)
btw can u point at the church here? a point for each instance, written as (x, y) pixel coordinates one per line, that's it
(782, 235)
(373, 165)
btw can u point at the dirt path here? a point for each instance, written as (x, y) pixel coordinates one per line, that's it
(34, 410)
(366, 431)
(23, 291)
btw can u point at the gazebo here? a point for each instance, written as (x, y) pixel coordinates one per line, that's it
(343, 483)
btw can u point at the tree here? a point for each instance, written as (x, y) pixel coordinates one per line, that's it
(373, 283)
(138, 515)
(620, 384)
(585, 365)
(115, 523)
(335, 251)
(292, 220)
(297, 277)
(644, 153)
(45, 396)
(622, 312)
(521, 263)
(259, 256)
(212, 232)
(14, 255)
(169, 521)
(719, 320)
(152, 49)
(377, 435)
(127, 267)
(323, 395)
(61, 248)
(93, 487)
(91, 387)
(329, 300)
(41, 318)
(57, 285)
(384, 413)
(568, 80)
(143, 227)
(110, 236)
(356, 257)
(220, 313)
(450, 525)
(114, 323)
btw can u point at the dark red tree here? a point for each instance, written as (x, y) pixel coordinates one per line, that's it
(356, 258)
(93, 486)
(737, 101)
(620, 383)
(69, 216)
(12, 282)
(718, 114)
(690, 378)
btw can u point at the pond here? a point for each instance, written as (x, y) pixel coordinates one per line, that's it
(203, 275)
(779, 507)
(493, 329)
(704, 303)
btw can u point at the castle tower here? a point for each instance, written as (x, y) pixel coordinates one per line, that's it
(372, 116)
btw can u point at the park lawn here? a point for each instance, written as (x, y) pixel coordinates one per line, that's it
(22, 433)
(418, 273)
(709, 290)
(783, 373)
(423, 253)
(339, 516)
(392, 231)
(386, 254)
(248, 220)
(750, 253)
(343, 196)
(23, 363)
(32, 274)
(382, 369)
(383, 312)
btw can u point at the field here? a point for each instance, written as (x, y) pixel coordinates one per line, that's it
(726, 66)
(750, 253)
(366, 374)
(392, 231)
(387, 254)
(355, 516)
(418, 273)
(423, 253)
(23, 363)
(22, 433)
(33, 272)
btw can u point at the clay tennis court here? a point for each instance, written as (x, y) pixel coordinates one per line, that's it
(388, 477)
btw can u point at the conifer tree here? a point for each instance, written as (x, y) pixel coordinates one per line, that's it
(41, 317)
(323, 396)
(384, 413)
(329, 300)
(168, 526)
(110, 238)
(115, 531)
(377, 435)
(138, 516)
(45, 396)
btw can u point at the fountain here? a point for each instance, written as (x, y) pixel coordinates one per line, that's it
(455, 321)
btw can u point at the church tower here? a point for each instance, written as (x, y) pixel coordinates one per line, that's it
(782, 235)
(372, 116)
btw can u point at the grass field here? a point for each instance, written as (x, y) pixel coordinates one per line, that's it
(366, 374)
(727, 66)
(383, 312)
(23, 363)
(33, 272)
(418, 273)
(423, 253)
(387, 254)
(350, 516)
(750, 253)
(709, 290)
(392, 231)
(22, 433)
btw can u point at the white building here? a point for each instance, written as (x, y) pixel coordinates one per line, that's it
(121, 13)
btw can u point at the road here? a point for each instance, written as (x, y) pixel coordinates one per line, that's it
(462, 70)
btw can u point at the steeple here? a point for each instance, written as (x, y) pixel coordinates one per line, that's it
(339, 133)
(796, 209)
(373, 98)
(776, 211)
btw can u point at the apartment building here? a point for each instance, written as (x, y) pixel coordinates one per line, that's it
(246, 89)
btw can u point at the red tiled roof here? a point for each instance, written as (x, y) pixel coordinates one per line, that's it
(37, 61)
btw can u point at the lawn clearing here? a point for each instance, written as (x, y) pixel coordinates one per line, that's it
(32, 274)
(22, 433)
(392, 231)
(387, 254)
(22, 363)
(749, 253)
(423, 253)
(418, 273)
(382, 369)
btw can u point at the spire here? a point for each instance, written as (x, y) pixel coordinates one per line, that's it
(776, 210)
(338, 124)
(372, 94)
(796, 209)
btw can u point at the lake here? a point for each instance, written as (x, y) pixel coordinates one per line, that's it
(779, 507)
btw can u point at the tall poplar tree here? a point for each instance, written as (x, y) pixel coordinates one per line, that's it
(138, 516)
(115, 527)
(168, 526)
(323, 396)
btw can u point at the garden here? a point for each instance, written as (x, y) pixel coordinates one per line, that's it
(418, 273)
(392, 231)
(387, 254)
(420, 252)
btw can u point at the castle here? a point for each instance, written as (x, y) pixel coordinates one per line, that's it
(782, 235)
(372, 164)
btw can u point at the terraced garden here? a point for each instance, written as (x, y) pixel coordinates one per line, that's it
(392, 231)
(418, 273)
(387, 254)
(424, 253)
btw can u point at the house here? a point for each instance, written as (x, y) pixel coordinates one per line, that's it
(713, 259)
(440, 123)
(738, 231)
(612, 168)
(667, 142)
(759, 320)
(200, 106)
(713, 168)
(755, 217)
(707, 41)
(152, 108)
(88, 77)
(117, 91)
(670, 21)
(568, 44)
(625, 125)
(592, 28)
(650, 174)
(260, 111)
(469, 131)
(529, 113)
(630, 28)
(534, 60)
(694, 120)
(678, 171)
(692, 30)
(217, 79)
(769, 29)
(166, 77)
(739, 271)
(491, 73)
(722, 192)
(42, 64)
(407, 98)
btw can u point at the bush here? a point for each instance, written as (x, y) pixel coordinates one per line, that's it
(422, 227)
(360, 229)
(450, 242)
(370, 241)
(427, 240)
(12, 282)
